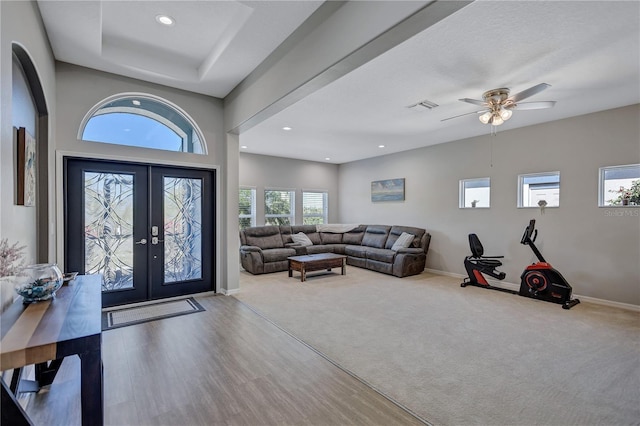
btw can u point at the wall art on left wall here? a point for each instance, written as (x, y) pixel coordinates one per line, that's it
(26, 175)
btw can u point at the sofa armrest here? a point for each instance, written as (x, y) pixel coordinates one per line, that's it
(410, 250)
(249, 249)
(299, 248)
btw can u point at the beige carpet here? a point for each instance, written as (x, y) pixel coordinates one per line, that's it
(464, 356)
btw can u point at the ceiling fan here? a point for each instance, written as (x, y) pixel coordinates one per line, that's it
(499, 106)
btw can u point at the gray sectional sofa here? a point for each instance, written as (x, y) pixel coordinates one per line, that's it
(265, 249)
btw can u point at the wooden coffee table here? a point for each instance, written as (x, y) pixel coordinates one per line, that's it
(316, 262)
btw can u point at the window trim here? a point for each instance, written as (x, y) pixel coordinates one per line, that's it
(601, 196)
(95, 111)
(521, 193)
(461, 193)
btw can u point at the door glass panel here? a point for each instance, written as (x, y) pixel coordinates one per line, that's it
(108, 233)
(182, 229)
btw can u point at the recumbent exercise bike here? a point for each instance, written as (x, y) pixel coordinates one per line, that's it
(538, 280)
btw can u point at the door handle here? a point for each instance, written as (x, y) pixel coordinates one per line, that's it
(155, 240)
(142, 241)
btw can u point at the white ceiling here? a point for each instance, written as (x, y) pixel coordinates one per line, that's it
(212, 46)
(589, 52)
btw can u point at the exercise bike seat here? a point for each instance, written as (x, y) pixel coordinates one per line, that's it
(478, 264)
(477, 251)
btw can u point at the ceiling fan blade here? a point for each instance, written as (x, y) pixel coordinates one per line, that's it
(462, 115)
(526, 93)
(532, 105)
(474, 101)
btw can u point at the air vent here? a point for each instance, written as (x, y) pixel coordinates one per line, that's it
(422, 105)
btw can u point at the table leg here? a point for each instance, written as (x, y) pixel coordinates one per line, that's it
(12, 412)
(91, 387)
(290, 270)
(344, 262)
(303, 272)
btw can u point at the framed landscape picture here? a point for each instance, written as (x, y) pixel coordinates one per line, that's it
(26, 176)
(387, 190)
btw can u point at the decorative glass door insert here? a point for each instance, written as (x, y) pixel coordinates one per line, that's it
(182, 229)
(108, 229)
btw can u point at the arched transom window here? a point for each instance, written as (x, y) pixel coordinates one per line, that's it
(144, 121)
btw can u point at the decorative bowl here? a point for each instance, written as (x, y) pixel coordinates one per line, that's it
(39, 282)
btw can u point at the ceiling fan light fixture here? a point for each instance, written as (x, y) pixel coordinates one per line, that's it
(505, 114)
(497, 120)
(485, 118)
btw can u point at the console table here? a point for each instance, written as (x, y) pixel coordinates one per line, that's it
(48, 331)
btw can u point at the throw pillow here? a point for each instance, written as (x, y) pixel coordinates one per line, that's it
(403, 241)
(301, 238)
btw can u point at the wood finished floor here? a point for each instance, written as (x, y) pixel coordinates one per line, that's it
(224, 366)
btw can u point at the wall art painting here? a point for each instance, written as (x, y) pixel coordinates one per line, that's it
(26, 176)
(387, 190)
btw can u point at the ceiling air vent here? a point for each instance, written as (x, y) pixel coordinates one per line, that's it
(422, 105)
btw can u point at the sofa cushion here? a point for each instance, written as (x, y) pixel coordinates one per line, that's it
(285, 232)
(356, 251)
(331, 238)
(354, 236)
(265, 237)
(381, 255)
(403, 241)
(396, 231)
(302, 239)
(277, 255)
(375, 236)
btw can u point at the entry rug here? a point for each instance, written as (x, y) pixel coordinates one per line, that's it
(130, 316)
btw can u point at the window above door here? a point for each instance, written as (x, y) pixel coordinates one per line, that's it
(144, 121)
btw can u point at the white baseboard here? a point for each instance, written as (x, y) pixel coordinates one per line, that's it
(516, 287)
(229, 292)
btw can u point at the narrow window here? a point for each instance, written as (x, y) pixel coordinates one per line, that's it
(142, 121)
(619, 186)
(539, 190)
(247, 207)
(278, 207)
(475, 193)
(314, 207)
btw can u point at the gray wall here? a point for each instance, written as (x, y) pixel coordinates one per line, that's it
(596, 249)
(80, 89)
(262, 172)
(20, 24)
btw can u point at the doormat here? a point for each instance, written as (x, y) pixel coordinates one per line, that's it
(130, 316)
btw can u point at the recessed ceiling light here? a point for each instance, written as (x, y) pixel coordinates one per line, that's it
(287, 128)
(165, 20)
(380, 146)
(244, 147)
(327, 158)
(135, 102)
